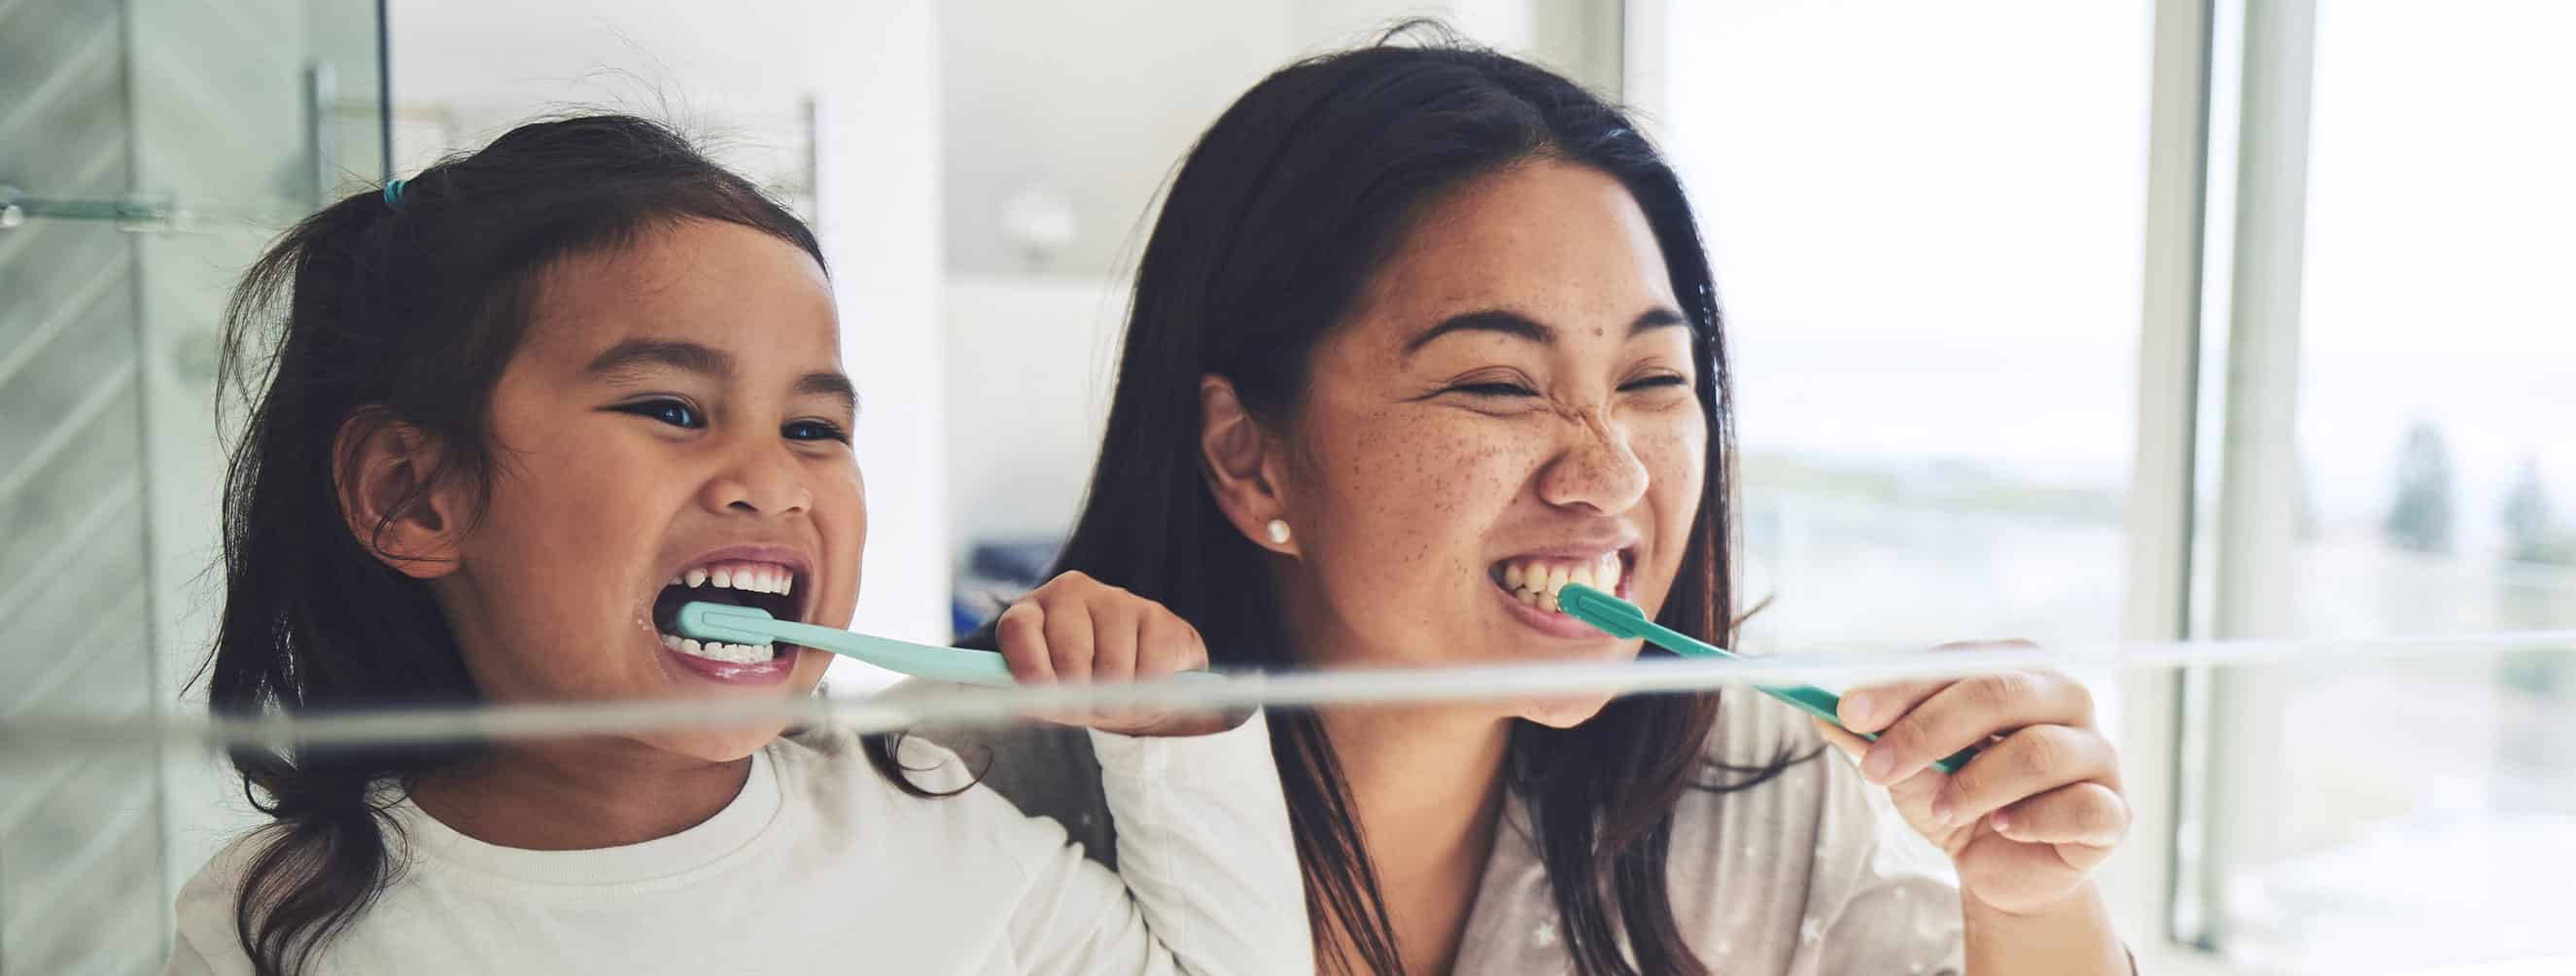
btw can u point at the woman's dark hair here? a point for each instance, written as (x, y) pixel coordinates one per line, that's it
(400, 306)
(1272, 226)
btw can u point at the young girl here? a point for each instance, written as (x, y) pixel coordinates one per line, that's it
(520, 409)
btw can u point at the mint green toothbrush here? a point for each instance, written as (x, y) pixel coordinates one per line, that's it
(750, 625)
(1622, 619)
(732, 624)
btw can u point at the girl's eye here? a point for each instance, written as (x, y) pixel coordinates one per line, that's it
(677, 413)
(814, 430)
(1494, 390)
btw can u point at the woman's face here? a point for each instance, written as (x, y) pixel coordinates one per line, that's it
(1510, 406)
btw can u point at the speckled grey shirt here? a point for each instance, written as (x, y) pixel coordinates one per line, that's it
(1812, 874)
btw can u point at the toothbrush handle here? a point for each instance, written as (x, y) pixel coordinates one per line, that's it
(936, 663)
(1806, 698)
(1828, 706)
(951, 664)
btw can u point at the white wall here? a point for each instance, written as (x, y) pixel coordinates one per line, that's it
(1030, 363)
(1094, 103)
(1091, 103)
(869, 70)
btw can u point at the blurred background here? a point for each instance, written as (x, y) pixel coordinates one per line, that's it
(2133, 320)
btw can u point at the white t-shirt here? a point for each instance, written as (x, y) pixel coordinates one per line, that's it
(820, 865)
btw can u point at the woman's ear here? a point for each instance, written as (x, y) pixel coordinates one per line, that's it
(396, 505)
(1242, 465)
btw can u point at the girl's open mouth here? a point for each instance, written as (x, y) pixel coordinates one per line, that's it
(766, 586)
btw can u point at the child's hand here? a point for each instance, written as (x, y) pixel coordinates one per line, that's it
(1076, 629)
(2031, 816)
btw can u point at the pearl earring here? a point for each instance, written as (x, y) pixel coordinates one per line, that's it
(1279, 532)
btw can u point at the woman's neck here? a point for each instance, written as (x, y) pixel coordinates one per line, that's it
(578, 795)
(1426, 787)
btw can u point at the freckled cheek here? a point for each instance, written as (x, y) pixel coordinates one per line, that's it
(1676, 462)
(1421, 500)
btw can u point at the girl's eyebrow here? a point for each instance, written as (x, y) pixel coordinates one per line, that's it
(828, 384)
(641, 355)
(634, 356)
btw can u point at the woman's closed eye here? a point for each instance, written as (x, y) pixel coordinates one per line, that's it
(1657, 381)
(1500, 389)
(1493, 388)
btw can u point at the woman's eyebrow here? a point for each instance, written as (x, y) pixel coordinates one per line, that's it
(1493, 320)
(1523, 327)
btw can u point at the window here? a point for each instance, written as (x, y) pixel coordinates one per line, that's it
(2410, 813)
(1926, 226)
(1929, 267)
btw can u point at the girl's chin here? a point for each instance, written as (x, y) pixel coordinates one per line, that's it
(721, 745)
(1564, 711)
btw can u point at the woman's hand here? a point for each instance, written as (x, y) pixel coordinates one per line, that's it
(1076, 630)
(2031, 816)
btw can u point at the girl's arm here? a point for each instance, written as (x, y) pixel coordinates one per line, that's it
(1211, 882)
(1203, 845)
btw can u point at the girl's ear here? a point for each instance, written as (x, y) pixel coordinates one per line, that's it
(386, 473)
(1244, 467)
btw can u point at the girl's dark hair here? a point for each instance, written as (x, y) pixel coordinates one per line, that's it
(1272, 226)
(400, 306)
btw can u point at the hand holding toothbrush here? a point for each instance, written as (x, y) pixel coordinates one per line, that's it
(1076, 629)
(2028, 820)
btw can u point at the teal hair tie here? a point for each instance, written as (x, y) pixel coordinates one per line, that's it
(393, 194)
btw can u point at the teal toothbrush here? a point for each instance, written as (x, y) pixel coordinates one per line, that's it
(1622, 619)
(732, 624)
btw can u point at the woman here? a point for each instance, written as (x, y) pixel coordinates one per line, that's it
(1420, 333)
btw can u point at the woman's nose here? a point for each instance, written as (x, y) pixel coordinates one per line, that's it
(1596, 471)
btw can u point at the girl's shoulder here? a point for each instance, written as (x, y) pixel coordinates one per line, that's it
(936, 796)
(203, 939)
(839, 760)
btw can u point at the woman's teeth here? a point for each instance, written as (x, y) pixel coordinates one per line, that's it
(719, 651)
(1538, 582)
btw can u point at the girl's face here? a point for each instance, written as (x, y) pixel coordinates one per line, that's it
(1511, 406)
(674, 427)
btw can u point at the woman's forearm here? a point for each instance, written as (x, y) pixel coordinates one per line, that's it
(2073, 940)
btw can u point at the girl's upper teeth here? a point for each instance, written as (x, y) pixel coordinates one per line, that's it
(755, 577)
